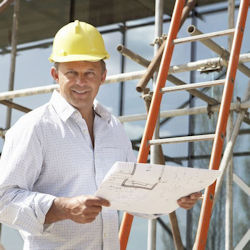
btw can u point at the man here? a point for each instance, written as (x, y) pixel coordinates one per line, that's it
(56, 156)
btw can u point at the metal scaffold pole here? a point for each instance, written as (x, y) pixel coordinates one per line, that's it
(191, 121)
(13, 56)
(229, 176)
(122, 86)
(154, 155)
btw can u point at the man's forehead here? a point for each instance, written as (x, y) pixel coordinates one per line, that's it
(81, 64)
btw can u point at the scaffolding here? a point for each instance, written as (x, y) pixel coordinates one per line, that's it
(144, 76)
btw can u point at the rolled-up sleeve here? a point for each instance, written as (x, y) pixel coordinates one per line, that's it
(20, 167)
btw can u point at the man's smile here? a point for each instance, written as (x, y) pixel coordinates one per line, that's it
(81, 91)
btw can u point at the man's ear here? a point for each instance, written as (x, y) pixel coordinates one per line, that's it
(103, 76)
(54, 74)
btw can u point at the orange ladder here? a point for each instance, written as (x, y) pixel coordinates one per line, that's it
(219, 135)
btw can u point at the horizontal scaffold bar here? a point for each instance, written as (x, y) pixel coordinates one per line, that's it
(193, 31)
(204, 36)
(175, 112)
(183, 112)
(182, 139)
(193, 86)
(124, 77)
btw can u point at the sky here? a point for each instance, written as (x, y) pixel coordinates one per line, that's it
(33, 70)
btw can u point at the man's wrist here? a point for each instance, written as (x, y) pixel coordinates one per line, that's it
(57, 211)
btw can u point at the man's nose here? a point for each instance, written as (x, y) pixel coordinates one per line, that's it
(81, 80)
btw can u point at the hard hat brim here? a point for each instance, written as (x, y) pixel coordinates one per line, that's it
(73, 58)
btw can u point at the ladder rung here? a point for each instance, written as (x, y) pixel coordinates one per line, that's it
(193, 86)
(204, 36)
(193, 138)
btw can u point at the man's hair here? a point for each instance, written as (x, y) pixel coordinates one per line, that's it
(103, 64)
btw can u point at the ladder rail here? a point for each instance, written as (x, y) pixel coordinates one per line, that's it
(154, 108)
(215, 159)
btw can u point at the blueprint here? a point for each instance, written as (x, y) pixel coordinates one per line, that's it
(152, 188)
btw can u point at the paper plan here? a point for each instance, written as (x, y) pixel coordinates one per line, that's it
(151, 188)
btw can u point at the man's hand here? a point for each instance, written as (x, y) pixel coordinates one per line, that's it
(81, 209)
(188, 202)
(84, 209)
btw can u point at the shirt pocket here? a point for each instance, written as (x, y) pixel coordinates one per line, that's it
(112, 154)
(107, 156)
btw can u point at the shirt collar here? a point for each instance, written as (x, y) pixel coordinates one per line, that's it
(101, 111)
(65, 110)
(61, 106)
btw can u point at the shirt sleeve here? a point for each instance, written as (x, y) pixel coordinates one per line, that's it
(20, 167)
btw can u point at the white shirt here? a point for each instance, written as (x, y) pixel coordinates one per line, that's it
(48, 153)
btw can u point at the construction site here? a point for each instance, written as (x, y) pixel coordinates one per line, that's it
(178, 79)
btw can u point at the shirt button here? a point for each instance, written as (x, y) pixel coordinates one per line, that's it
(105, 235)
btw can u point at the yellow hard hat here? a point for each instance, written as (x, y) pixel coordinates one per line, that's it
(78, 41)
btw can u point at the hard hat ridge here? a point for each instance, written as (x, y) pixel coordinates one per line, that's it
(78, 41)
(77, 26)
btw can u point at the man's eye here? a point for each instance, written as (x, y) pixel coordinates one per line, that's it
(90, 74)
(71, 72)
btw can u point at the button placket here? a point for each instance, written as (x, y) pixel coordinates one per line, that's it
(84, 129)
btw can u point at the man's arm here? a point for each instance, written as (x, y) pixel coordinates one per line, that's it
(20, 167)
(80, 209)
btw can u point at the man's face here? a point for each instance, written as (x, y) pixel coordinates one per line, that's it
(79, 82)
